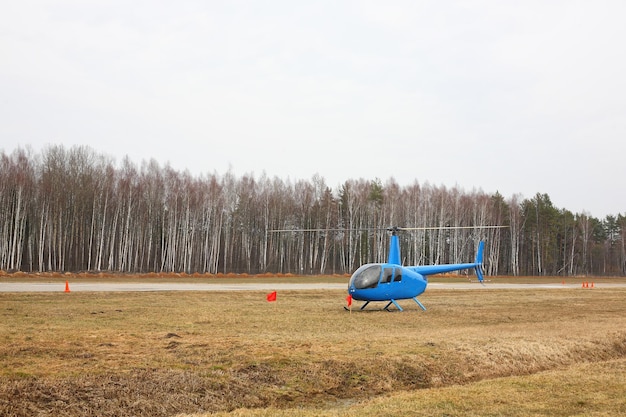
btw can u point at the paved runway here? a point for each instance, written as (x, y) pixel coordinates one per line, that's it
(8, 287)
(168, 286)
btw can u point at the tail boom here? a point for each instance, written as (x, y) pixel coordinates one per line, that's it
(440, 269)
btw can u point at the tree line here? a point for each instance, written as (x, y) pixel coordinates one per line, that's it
(78, 210)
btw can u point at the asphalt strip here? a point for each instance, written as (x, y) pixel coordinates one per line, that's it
(8, 287)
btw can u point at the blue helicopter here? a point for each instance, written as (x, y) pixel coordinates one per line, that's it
(391, 281)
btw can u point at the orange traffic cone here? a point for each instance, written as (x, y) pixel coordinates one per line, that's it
(67, 286)
(592, 285)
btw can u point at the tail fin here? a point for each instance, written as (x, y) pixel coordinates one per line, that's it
(481, 250)
(479, 262)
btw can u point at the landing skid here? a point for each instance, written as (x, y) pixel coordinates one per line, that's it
(394, 302)
(419, 304)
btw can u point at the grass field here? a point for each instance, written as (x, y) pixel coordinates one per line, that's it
(496, 352)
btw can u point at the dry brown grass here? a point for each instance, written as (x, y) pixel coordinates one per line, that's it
(589, 389)
(152, 354)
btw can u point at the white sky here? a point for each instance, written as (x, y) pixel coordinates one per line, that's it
(518, 97)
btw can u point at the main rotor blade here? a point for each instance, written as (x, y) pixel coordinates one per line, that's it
(310, 230)
(391, 229)
(450, 227)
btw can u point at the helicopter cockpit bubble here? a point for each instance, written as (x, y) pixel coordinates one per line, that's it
(366, 276)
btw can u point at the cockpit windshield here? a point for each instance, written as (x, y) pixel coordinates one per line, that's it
(366, 276)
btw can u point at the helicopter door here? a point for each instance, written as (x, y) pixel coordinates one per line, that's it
(387, 276)
(398, 276)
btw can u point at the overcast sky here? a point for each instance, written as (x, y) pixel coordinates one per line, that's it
(520, 97)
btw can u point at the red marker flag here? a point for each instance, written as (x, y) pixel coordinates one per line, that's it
(271, 296)
(349, 300)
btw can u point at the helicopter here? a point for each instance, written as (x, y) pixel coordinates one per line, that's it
(391, 281)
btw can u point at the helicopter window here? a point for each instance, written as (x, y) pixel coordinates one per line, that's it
(387, 275)
(398, 277)
(366, 276)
